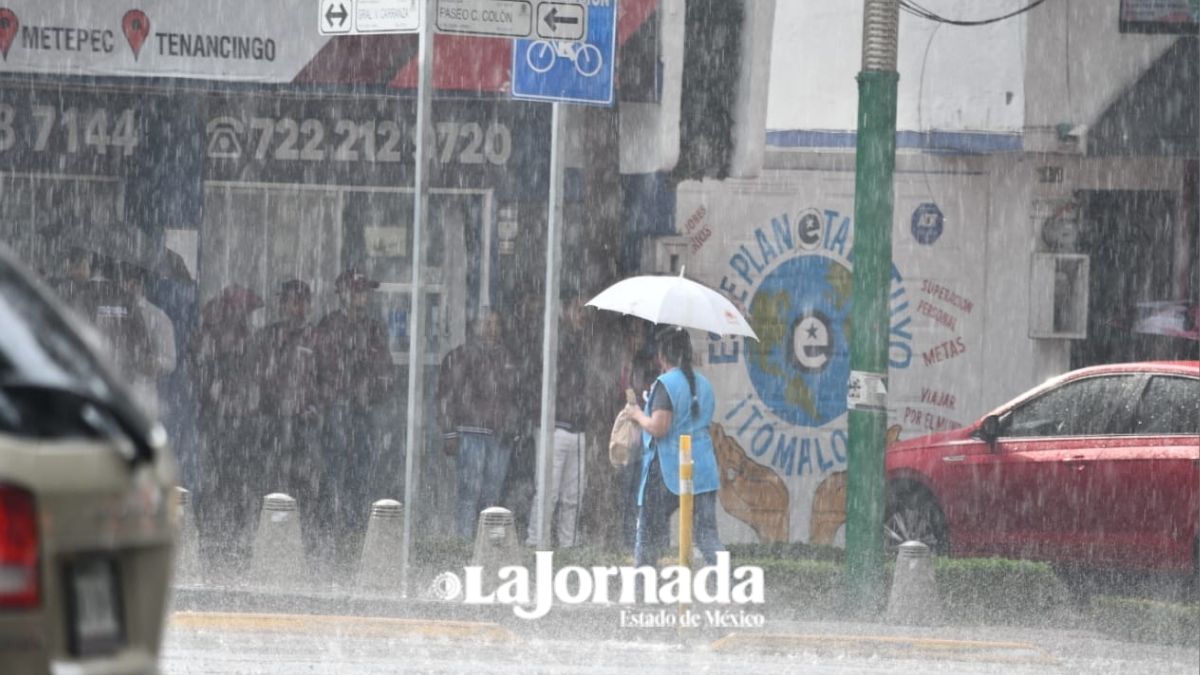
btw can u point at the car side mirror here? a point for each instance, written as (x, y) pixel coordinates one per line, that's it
(989, 429)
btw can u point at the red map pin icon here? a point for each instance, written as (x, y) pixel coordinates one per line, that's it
(8, 29)
(137, 28)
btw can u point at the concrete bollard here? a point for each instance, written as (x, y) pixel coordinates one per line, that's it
(380, 568)
(914, 599)
(496, 544)
(278, 560)
(187, 551)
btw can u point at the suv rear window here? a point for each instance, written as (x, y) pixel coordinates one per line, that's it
(47, 373)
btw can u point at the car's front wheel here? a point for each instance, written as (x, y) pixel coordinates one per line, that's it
(913, 515)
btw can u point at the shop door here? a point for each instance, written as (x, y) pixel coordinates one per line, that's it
(1131, 239)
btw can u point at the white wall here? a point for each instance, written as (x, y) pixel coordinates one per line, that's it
(1079, 63)
(971, 80)
(963, 307)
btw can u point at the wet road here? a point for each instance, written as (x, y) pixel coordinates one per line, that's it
(360, 646)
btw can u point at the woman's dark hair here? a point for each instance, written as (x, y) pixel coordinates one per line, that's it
(675, 347)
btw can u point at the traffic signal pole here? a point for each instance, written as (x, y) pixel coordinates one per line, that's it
(875, 163)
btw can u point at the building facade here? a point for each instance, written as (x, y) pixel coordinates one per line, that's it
(1045, 218)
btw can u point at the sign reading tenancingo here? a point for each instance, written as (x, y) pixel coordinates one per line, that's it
(265, 41)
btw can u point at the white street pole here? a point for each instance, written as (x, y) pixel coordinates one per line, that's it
(414, 438)
(554, 227)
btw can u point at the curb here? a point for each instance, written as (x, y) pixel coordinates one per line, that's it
(348, 626)
(884, 646)
(568, 622)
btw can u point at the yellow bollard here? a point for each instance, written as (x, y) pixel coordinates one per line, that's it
(686, 490)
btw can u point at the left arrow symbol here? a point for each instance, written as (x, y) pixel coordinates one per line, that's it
(553, 20)
(341, 15)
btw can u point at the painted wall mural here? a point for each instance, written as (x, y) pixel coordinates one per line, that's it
(780, 425)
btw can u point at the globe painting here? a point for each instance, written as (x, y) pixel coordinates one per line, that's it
(801, 365)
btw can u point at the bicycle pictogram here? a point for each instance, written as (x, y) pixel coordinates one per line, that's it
(542, 54)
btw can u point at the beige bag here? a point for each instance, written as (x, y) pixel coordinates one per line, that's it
(626, 435)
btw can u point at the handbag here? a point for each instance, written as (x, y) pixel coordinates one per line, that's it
(625, 436)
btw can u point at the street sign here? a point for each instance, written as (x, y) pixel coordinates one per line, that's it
(387, 16)
(334, 17)
(359, 17)
(561, 21)
(576, 72)
(497, 18)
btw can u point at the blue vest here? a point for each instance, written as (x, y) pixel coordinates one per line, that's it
(704, 472)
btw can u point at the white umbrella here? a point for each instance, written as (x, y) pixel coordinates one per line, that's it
(676, 301)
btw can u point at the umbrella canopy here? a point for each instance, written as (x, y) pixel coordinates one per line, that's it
(676, 301)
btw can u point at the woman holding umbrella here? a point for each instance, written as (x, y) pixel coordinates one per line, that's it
(681, 401)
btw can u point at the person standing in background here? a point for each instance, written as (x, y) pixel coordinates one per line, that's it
(160, 362)
(636, 375)
(354, 373)
(291, 421)
(476, 398)
(116, 316)
(565, 484)
(523, 334)
(227, 392)
(72, 284)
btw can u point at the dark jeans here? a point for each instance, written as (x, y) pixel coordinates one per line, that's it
(628, 477)
(229, 493)
(654, 521)
(519, 483)
(347, 457)
(482, 464)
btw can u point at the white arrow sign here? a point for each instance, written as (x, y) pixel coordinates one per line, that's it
(357, 17)
(335, 17)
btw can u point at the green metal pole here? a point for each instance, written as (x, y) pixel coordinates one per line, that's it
(875, 165)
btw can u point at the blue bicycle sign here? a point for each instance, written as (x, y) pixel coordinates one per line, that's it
(545, 69)
(542, 54)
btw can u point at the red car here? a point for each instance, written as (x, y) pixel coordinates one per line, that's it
(1100, 466)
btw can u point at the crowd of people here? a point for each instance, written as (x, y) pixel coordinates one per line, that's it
(288, 405)
(285, 405)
